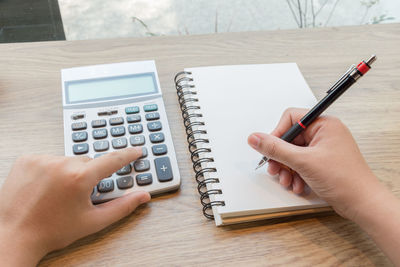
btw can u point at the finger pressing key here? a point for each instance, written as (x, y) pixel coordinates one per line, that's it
(106, 165)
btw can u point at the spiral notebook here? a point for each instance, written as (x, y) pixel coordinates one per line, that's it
(221, 106)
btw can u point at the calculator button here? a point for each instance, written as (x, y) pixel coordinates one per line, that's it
(148, 108)
(152, 116)
(154, 126)
(99, 155)
(80, 149)
(125, 170)
(76, 126)
(79, 136)
(119, 143)
(77, 116)
(125, 182)
(133, 118)
(144, 152)
(132, 110)
(99, 123)
(99, 134)
(163, 169)
(106, 185)
(116, 121)
(141, 165)
(117, 131)
(107, 112)
(144, 179)
(101, 146)
(135, 128)
(137, 140)
(156, 137)
(159, 150)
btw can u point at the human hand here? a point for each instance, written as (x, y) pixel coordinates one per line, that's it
(45, 203)
(325, 156)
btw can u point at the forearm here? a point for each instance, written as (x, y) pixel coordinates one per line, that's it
(379, 216)
(18, 250)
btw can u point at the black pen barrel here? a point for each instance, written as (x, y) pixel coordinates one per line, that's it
(327, 101)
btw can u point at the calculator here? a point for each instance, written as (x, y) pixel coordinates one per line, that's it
(109, 107)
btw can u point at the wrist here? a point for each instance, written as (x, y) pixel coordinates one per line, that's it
(19, 249)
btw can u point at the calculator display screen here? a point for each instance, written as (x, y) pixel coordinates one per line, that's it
(110, 88)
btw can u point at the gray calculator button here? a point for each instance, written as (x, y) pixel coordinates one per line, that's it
(125, 170)
(133, 118)
(99, 155)
(154, 126)
(144, 152)
(151, 107)
(119, 143)
(137, 140)
(141, 165)
(80, 149)
(79, 136)
(101, 145)
(156, 137)
(105, 185)
(152, 116)
(117, 131)
(144, 179)
(116, 121)
(163, 169)
(99, 123)
(125, 182)
(135, 128)
(76, 126)
(131, 110)
(159, 150)
(99, 133)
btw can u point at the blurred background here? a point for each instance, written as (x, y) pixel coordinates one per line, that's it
(45, 20)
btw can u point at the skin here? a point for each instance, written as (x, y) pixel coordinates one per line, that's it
(326, 157)
(45, 200)
(45, 203)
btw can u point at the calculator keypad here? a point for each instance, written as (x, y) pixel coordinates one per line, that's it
(124, 131)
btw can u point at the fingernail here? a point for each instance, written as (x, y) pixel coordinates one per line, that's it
(145, 198)
(254, 141)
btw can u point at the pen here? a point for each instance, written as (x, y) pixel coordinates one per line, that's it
(344, 82)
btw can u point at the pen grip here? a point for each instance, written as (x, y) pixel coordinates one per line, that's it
(291, 134)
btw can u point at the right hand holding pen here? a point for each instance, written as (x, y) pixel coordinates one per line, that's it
(325, 156)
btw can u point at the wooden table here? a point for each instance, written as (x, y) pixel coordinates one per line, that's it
(171, 229)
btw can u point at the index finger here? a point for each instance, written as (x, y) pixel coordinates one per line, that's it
(106, 165)
(289, 117)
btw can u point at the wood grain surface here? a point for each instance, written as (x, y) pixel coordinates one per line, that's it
(171, 230)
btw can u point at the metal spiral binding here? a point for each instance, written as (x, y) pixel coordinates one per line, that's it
(197, 146)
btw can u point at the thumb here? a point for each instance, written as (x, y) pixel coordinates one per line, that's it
(277, 149)
(114, 210)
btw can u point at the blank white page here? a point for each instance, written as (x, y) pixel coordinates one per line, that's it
(235, 102)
